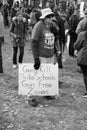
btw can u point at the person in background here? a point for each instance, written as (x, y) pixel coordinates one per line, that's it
(18, 32)
(61, 25)
(10, 2)
(43, 38)
(81, 46)
(1, 40)
(6, 14)
(15, 8)
(73, 23)
(80, 28)
(34, 18)
(82, 24)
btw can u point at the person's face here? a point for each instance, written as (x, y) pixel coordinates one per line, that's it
(49, 18)
(19, 18)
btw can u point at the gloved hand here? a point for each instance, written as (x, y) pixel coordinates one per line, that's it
(36, 63)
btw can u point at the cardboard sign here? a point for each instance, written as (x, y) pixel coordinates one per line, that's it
(38, 82)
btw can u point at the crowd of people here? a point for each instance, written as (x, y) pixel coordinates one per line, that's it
(47, 32)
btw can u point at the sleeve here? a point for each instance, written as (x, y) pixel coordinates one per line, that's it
(36, 32)
(35, 41)
(78, 43)
(12, 26)
(79, 28)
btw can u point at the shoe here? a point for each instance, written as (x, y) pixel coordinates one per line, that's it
(85, 95)
(14, 66)
(33, 103)
(49, 97)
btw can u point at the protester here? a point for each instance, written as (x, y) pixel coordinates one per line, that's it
(6, 14)
(43, 38)
(18, 31)
(73, 22)
(82, 24)
(60, 24)
(15, 8)
(81, 46)
(34, 17)
(1, 40)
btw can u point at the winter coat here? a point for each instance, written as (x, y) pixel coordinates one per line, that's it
(61, 26)
(82, 25)
(20, 31)
(73, 22)
(81, 46)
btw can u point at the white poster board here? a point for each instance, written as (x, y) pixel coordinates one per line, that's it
(38, 82)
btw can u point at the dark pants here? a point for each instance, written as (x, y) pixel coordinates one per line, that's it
(60, 57)
(84, 71)
(1, 67)
(73, 38)
(15, 52)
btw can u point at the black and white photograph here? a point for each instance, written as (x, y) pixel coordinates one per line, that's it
(43, 64)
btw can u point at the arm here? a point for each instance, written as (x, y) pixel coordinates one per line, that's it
(79, 41)
(79, 28)
(35, 45)
(11, 30)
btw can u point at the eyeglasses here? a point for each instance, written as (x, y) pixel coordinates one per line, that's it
(49, 16)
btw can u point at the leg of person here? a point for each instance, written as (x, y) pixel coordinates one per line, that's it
(60, 57)
(71, 52)
(48, 60)
(84, 71)
(15, 51)
(60, 61)
(1, 66)
(21, 54)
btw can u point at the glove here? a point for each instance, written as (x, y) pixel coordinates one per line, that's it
(37, 64)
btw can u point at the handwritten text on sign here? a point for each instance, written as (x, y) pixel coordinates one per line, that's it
(38, 82)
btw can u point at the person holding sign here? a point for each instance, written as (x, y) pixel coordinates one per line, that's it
(43, 39)
(44, 35)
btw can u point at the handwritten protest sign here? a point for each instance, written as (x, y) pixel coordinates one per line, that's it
(38, 82)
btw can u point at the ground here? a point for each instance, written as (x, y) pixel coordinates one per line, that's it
(67, 112)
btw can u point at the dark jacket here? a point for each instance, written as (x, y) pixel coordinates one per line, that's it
(73, 22)
(61, 26)
(81, 46)
(20, 31)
